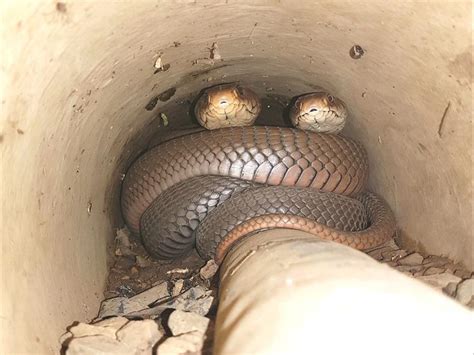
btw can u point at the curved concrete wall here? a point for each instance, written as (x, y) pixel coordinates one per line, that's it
(77, 76)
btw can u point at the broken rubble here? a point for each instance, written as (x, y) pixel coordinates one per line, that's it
(118, 306)
(450, 289)
(411, 269)
(434, 260)
(440, 281)
(464, 292)
(140, 335)
(463, 274)
(134, 337)
(188, 343)
(196, 299)
(99, 344)
(181, 322)
(411, 259)
(122, 305)
(433, 271)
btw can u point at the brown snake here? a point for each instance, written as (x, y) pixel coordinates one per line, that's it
(227, 105)
(319, 112)
(262, 155)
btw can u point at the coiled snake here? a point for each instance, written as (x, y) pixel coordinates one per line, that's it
(273, 177)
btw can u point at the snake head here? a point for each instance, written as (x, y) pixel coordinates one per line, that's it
(223, 96)
(320, 112)
(313, 105)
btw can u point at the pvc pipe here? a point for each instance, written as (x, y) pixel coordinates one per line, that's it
(287, 292)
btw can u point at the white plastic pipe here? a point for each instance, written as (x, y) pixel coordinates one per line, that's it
(287, 292)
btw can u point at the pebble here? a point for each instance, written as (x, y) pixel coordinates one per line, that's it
(433, 271)
(440, 281)
(208, 270)
(188, 343)
(411, 259)
(181, 322)
(464, 293)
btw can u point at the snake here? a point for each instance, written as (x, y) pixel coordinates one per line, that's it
(319, 112)
(227, 105)
(175, 194)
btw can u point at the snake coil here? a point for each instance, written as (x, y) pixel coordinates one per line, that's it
(170, 194)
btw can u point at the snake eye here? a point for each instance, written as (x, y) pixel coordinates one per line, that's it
(313, 110)
(331, 99)
(223, 102)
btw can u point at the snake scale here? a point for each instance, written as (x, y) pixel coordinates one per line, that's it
(170, 194)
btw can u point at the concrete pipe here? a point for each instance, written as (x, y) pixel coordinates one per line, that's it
(83, 85)
(287, 292)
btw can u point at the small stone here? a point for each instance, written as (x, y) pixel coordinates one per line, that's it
(439, 281)
(140, 335)
(464, 292)
(433, 271)
(134, 270)
(125, 277)
(463, 274)
(188, 343)
(177, 287)
(181, 322)
(411, 259)
(99, 344)
(450, 289)
(208, 270)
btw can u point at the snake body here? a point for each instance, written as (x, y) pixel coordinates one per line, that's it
(170, 194)
(362, 223)
(266, 155)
